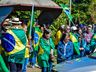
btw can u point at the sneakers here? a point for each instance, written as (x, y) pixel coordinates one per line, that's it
(36, 65)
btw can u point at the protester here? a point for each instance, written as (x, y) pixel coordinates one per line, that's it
(68, 29)
(45, 53)
(59, 35)
(14, 43)
(82, 45)
(37, 34)
(74, 38)
(88, 35)
(26, 61)
(64, 49)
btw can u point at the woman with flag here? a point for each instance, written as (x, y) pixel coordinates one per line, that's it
(45, 53)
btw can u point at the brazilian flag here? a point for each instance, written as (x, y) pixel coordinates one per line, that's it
(93, 43)
(14, 43)
(75, 43)
(36, 37)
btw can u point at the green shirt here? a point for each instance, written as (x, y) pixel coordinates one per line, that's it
(44, 51)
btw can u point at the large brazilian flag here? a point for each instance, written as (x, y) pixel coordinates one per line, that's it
(75, 43)
(14, 42)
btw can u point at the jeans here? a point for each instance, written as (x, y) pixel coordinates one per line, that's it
(33, 59)
(50, 66)
(82, 53)
(47, 69)
(59, 60)
(15, 67)
(24, 67)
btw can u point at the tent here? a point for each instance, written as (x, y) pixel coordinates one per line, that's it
(50, 10)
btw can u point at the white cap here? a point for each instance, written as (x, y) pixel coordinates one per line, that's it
(62, 26)
(73, 28)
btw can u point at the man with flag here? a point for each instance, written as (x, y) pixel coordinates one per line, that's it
(37, 34)
(74, 38)
(14, 43)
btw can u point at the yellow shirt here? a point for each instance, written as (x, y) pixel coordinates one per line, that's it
(27, 53)
(58, 36)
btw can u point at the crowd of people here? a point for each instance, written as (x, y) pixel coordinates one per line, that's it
(18, 48)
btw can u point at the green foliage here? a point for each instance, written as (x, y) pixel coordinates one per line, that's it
(83, 11)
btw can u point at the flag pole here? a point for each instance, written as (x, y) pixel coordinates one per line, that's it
(70, 3)
(32, 20)
(30, 30)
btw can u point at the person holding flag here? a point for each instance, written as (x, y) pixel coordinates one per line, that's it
(37, 34)
(45, 53)
(14, 43)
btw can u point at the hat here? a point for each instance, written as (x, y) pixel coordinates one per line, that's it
(15, 21)
(62, 26)
(47, 31)
(74, 28)
(90, 26)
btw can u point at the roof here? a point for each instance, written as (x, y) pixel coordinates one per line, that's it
(28, 3)
(49, 9)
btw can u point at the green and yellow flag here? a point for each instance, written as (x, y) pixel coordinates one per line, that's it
(14, 43)
(67, 11)
(36, 37)
(75, 43)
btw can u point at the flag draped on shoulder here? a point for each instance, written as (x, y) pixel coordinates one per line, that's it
(14, 43)
(75, 43)
(67, 11)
